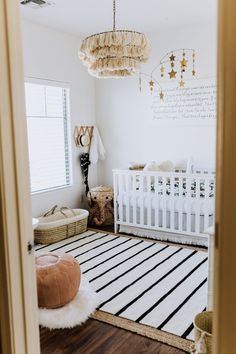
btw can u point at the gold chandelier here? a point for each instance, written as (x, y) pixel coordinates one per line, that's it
(116, 53)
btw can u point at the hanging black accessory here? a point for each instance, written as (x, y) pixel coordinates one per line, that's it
(84, 163)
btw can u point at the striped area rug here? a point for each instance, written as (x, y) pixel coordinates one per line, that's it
(147, 287)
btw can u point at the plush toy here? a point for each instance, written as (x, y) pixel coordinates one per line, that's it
(101, 210)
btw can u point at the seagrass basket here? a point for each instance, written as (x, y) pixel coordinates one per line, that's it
(203, 331)
(60, 223)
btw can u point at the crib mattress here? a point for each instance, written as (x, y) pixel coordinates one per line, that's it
(195, 205)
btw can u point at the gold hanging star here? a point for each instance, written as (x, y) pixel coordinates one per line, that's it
(172, 74)
(162, 70)
(193, 72)
(151, 83)
(184, 63)
(172, 57)
(181, 83)
(161, 94)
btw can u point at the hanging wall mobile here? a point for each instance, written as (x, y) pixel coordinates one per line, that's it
(175, 65)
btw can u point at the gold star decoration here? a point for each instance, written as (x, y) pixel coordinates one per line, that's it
(183, 63)
(181, 83)
(161, 94)
(162, 70)
(172, 57)
(172, 74)
(151, 83)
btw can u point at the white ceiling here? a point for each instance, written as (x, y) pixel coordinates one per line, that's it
(82, 17)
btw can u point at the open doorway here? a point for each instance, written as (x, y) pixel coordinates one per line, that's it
(177, 156)
(163, 119)
(102, 174)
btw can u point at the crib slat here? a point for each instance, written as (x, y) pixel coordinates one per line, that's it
(181, 205)
(197, 206)
(121, 194)
(133, 183)
(207, 201)
(188, 209)
(206, 216)
(164, 200)
(149, 201)
(197, 217)
(172, 203)
(141, 199)
(156, 203)
(115, 187)
(127, 180)
(135, 202)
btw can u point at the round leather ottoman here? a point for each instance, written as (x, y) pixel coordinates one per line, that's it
(58, 279)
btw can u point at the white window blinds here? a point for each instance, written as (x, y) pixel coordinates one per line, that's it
(47, 110)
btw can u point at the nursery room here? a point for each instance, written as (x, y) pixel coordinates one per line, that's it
(120, 106)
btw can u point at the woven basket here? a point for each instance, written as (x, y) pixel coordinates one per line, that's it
(59, 224)
(203, 332)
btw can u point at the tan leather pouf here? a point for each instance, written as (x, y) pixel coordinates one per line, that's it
(58, 279)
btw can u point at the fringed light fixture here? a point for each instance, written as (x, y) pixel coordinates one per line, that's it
(116, 53)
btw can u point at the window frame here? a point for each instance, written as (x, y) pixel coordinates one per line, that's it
(67, 129)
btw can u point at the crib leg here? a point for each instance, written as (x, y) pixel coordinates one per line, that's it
(115, 228)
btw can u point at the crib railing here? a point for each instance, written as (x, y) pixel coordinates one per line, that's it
(169, 201)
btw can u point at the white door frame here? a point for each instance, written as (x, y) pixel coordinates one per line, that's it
(18, 297)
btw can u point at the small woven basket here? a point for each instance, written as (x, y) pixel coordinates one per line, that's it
(58, 224)
(203, 331)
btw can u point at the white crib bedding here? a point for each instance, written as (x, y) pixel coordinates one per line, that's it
(169, 204)
(163, 187)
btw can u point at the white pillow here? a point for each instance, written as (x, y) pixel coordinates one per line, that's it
(152, 166)
(167, 166)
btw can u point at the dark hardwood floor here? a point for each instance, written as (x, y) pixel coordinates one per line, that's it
(95, 337)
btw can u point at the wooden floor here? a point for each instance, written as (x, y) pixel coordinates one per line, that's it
(95, 337)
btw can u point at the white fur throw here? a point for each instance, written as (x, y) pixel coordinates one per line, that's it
(74, 313)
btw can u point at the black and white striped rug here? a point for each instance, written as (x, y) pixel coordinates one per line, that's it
(153, 284)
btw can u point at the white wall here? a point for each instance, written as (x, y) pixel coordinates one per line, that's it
(125, 119)
(49, 54)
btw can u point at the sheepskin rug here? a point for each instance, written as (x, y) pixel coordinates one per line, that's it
(74, 313)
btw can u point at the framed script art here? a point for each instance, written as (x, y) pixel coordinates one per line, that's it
(192, 105)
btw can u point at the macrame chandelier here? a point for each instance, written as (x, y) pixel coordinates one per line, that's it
(116, 53)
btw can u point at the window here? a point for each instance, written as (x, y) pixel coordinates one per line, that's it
(47, 110)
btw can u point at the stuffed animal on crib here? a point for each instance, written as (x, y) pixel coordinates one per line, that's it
(101, 210)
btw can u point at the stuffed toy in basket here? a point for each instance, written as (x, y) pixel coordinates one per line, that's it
(101, 209)
(60, 223)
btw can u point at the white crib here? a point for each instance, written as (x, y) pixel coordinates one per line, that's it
(173, 206)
